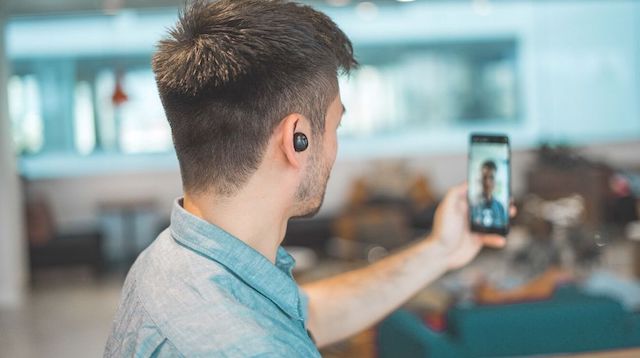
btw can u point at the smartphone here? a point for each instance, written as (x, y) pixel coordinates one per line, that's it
(489, 178)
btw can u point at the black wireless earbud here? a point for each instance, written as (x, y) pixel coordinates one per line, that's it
(300, 142)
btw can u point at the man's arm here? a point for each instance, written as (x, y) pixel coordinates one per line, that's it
(348, 303)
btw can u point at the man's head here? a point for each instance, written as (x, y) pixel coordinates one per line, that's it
(228, 75)
(488, 172)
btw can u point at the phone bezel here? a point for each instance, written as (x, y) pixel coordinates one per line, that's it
(475, 138)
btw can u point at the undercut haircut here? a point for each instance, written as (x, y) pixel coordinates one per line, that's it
(231, 70)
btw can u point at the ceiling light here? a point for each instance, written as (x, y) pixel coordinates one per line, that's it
(367, 10)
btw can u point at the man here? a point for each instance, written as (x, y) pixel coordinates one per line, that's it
(488, 212)
(250, 90)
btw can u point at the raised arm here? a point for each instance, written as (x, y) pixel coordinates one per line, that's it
(348, 303)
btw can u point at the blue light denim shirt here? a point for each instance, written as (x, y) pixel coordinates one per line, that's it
(197, 291)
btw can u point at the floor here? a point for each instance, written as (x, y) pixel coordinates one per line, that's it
(66, 314)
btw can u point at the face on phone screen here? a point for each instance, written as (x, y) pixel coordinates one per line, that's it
(489, 184)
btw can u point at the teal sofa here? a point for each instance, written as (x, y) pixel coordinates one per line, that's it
(570, 321)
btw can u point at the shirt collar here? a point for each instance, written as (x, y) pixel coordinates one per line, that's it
(273, 281)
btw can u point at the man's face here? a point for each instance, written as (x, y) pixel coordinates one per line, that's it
(488, 181)
(311, 191)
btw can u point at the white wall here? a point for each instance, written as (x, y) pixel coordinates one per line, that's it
(75, 202)
(12, 269)
(589, 75)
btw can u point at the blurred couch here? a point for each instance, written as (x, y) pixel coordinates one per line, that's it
(48, 247)
(570, 321)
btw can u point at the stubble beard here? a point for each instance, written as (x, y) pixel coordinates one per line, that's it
(311, 192)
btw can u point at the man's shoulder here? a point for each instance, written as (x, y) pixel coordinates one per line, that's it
(498, 204)
(213, 322)
(172, 280)
(173, 294)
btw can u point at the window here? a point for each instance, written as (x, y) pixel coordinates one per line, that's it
(25, 112)
(143, 127)
(81, 107)
(424, 86)
(84, 120)
(138, 124)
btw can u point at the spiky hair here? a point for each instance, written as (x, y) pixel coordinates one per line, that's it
(216, 43)
(230, 70)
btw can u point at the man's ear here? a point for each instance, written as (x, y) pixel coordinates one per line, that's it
(289, 125)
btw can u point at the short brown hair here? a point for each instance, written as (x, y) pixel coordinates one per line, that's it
(231, 70)
(490, 164)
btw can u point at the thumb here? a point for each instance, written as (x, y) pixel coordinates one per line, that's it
(494, 241)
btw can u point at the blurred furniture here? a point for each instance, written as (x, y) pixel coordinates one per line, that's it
(50, 248)
(577, 205)
(540, 288)
(385, 210)
(561, 173)
(312, 233)
(633, 234)
(630, 185)
(78, 248)
(129, 227)
(565, 215)
(570, 321)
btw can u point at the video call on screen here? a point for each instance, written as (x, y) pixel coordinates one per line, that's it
(489, 184)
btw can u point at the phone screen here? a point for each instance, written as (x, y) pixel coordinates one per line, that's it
(489, 183)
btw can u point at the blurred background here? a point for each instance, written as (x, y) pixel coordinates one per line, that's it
(88, 173)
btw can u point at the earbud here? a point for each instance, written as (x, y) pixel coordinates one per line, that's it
(300, 142)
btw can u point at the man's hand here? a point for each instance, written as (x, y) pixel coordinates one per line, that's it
(345, 304)
(451, 230)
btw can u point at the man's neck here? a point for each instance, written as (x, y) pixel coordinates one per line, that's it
(487, 197)
(261, 224)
